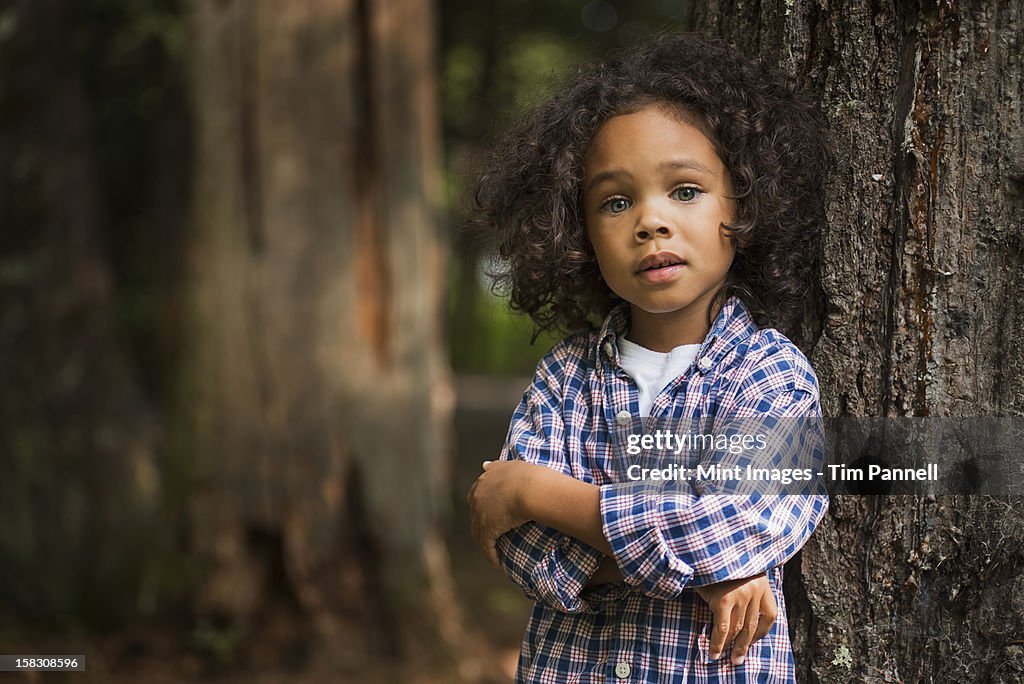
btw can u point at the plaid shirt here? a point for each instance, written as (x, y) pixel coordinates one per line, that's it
(653, 627)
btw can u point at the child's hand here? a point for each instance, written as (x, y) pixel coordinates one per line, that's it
(494, 503)
(744, 610)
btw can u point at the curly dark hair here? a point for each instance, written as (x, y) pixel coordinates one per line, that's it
(528, 199)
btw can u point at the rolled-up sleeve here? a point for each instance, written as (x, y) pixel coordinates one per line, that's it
(549, 566)
(680, 534)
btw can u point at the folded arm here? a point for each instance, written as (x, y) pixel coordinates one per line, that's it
(666, 536)
(548, 565)
(744, 607)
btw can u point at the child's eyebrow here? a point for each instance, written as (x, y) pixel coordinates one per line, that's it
(685, 164)
(609, 174)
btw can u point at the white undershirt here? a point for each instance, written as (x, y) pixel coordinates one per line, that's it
(653, 370)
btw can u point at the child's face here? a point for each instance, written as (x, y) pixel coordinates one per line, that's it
(655, 198)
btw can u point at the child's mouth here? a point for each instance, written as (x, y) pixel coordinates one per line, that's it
(659, 274)
(660, 267)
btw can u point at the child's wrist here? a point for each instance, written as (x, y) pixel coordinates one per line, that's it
(524, 487)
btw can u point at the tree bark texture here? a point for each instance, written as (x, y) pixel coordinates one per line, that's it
(79, 487)
(316, 396)
(922, 317)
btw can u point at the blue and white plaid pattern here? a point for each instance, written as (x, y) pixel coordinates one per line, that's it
(654, 627)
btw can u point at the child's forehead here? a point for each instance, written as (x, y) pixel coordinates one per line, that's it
(655, 128)
(664, 115)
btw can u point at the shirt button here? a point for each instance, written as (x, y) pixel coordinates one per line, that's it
(622, 670)
(704, 363)
(622, 417)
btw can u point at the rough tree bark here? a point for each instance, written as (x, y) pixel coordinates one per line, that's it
(315, 396)
(922, 316)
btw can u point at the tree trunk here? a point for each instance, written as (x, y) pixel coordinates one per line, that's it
(315, 394)
(923, 317)
(79, 488)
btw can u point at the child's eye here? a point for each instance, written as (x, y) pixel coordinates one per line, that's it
(686, 193)
(616, 205)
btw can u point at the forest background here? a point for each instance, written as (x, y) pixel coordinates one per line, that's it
(250, 363)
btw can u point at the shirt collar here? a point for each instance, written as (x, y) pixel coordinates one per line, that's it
(732, 325)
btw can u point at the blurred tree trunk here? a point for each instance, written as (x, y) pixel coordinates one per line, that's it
(923, 316)
(315, 399)
(79, 486)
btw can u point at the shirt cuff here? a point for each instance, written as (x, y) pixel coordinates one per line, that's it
(631, 521)
(562, 574)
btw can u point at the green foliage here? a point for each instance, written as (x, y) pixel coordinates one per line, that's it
(219, 642)
(460, 79)
(130, 55)
(489, 338)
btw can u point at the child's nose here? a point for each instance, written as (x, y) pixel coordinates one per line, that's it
(652, 223)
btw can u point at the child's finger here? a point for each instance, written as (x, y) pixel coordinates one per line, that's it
(723, 630)
(769, 611)
(486, 464)
(746, 635)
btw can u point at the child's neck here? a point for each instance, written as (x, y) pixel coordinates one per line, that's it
(664, 332)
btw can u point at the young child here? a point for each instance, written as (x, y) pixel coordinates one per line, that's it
(665, 208)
